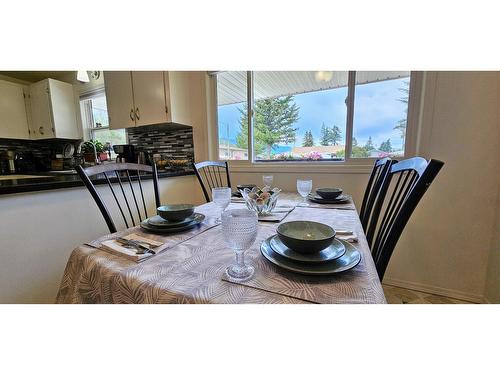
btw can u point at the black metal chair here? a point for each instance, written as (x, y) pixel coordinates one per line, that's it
(114, 172)
(379, 171)
(212, 174)
(406, 182)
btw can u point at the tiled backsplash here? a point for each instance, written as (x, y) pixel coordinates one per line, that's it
(169, 141)
(40, 148)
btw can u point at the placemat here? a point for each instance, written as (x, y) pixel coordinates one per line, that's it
(353, 286)
(210, 211)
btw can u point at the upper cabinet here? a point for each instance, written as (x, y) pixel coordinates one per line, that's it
(53, 110)
(142, 98)
(13, 114)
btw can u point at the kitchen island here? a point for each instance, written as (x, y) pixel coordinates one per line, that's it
(40, 227)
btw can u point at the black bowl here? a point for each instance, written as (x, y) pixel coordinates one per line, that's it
(306, 237)
(329, 193)
(175, 212)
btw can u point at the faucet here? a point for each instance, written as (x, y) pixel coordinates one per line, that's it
(95, 153)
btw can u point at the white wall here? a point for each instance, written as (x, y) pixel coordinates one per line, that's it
(40, 229)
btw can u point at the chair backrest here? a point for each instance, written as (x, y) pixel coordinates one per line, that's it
(212, 174)
(379, 171)
(403, 187)
(114, 172)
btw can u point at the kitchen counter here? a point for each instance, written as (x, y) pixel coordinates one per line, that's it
(56, 180)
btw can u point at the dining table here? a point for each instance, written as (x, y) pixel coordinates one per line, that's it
(191, 268)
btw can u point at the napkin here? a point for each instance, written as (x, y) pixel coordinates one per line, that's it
(115, 247)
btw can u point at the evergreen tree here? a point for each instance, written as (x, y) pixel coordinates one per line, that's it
(354, 142)
(325, 135)
(335, 135)
(308, 139)
(386, 146)
(369, 145)
(401, 124)
(273, 124)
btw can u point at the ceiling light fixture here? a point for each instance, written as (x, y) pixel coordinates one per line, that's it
(82, 76)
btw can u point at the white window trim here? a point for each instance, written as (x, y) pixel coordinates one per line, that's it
(348, 165)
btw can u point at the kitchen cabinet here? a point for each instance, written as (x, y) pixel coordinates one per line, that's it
(146, 98)
(53, 110)
(119, 99)
(149, 98)
(13, 114)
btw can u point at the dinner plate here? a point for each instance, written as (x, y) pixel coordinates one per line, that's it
(332, 252)
(317, 199)
(151, 228)
(350, 259)
(158, 221)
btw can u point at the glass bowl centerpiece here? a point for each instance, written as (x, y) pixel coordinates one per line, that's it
(261, 200)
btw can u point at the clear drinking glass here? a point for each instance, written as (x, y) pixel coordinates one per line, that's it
(221, 197)
(268, 180)
(239, 228)
(304, 187)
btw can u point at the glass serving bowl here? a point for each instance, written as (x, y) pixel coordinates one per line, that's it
(261, 200)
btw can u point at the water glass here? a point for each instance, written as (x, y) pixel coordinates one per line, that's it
(239, 228)
(304, 188)
(221, 197)
(267, 180)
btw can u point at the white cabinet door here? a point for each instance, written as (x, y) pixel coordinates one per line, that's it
(149, 98)
(119, 99)
(41, 111)
(62, 102)
(13, 116)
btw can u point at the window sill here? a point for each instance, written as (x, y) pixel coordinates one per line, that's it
(360, 167)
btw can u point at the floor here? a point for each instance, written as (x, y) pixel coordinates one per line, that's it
(396, 295)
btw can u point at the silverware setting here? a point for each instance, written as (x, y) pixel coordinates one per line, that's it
(140, 246)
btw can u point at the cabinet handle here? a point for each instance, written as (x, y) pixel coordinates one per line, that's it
(166, 109)
(40, 130)
(137, 113)
(132, 114)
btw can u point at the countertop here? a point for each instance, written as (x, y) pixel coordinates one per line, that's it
(31, 182)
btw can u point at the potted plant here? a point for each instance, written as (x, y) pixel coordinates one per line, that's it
(88, 151)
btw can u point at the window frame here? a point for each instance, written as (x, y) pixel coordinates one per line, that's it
(88, 117)
(349, 164)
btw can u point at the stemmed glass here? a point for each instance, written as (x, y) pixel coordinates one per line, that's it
(304, 187)
(267, 180)
(221, 197)
(239, 228)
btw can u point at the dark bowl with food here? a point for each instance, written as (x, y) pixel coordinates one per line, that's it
(306, 237)
(329, 193)
(175, 212)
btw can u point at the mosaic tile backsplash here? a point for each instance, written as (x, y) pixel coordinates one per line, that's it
(176, 143)
(40, 148)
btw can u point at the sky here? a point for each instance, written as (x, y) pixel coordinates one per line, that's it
(376, 111)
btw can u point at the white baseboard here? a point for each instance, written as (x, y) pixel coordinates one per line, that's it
(456, 294)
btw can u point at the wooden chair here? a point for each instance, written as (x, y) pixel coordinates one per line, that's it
(212, 174)
(379, 171)
(114, 172)
(404, 186)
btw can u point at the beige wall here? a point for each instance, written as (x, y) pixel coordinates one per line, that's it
(492, 292)
(40, 229)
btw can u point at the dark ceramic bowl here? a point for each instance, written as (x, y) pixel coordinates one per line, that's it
(329, 193)
(249, 186)
(306, 237)
(175, 212)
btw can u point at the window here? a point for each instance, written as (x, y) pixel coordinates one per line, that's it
(96, 121)
(232, 115)
(311, 116)
(380, 114)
